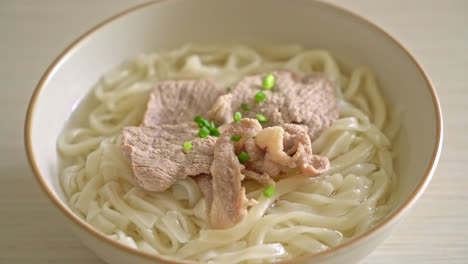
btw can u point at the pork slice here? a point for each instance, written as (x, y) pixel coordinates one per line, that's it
(262, 178)
(299, 146)
(157, 154)
(297, 154)
(229, 204)
(174, 102)
(205, 182)
(221, 112)
(308, 101)
(255, 153)
(256, 169)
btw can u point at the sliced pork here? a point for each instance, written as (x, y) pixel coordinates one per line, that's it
(229, 204)
(205, 182)
(288, 146)
(262, 178)
(308, 101)
(174, 102)
(158, 157)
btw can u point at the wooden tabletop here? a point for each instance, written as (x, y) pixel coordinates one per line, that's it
(33, 33)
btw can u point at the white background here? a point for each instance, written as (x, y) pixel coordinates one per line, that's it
(34, 32)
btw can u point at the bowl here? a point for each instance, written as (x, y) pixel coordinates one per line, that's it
(171, 23)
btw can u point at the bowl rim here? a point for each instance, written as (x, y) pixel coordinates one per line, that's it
(391, 218)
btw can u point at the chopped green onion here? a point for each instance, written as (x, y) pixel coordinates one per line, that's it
(243, 157)
(260, 96)
(262, 119)
(204, 131)
(188, 146)
(236, 138)
(237, 116)
(268, 82)
(269, 191)
(201, 122)
(206, 123)
(246, 107)
(198, 120)
(206, 127)
(228, 89)
(214, 132)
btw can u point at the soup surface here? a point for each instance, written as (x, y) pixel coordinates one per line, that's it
(304, 215)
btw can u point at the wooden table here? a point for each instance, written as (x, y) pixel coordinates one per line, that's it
(33, 32)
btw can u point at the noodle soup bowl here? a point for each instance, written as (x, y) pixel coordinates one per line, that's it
(170, 23)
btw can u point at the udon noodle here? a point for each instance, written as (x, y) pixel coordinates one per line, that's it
(305, 215)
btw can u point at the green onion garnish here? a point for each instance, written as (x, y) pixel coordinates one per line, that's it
(237, 116)
(201, 122)
(204, 131)
(212, 125)
(228, 89)
(268, 82)
(246, 107)
(206, 127)
(260, 96)
(197, 119)
(206, 123)
(236, 138)
(243, 157)
(188, 146)
(269, 191)
(214, 132)
(262, 119)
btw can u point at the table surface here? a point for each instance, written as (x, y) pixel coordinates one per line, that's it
(34, 32)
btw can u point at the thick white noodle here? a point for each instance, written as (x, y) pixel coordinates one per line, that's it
(303, 216)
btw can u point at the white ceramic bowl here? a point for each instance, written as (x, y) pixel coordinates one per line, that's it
(171, 23)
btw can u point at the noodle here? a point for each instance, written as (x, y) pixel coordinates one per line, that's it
(303, 216)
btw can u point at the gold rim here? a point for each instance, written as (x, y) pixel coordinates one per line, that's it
(64, 209)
